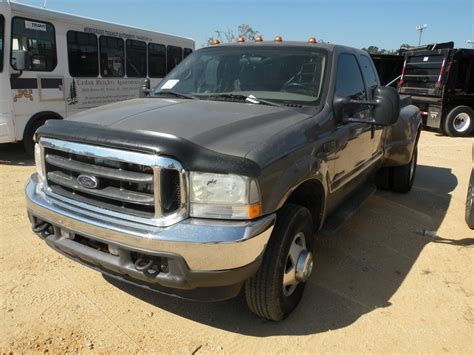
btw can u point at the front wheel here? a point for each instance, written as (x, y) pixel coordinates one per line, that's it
(28, 142)
(275, 291)
(459, 122)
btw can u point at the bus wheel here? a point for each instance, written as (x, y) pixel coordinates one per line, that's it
(459, 121)
(28, 142)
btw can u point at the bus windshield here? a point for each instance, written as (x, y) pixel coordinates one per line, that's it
(278, 74)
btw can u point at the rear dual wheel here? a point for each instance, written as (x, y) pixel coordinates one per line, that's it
(398, 178)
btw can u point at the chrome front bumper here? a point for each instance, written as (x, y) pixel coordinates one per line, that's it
(204, 245)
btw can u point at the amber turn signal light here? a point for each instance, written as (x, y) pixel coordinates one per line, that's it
(254, 210)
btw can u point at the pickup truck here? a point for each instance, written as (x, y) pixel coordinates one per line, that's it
(225, 174)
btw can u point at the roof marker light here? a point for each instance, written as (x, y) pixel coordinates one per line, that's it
(312, 40)
(241, 39)
(215, 42)
(278, 39)
(258, 38)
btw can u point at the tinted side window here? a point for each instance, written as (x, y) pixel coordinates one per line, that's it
(156, 60)
(33, 42)
(349, 82)
(83, 54)
(186, 52)
(175, 56)
(111, 56)
(136, 58)
(2, 31)
(369, 72)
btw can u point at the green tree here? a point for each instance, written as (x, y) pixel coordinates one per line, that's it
(376, 50)
(72, 93)
(372, 49)
(230, 35)
(405, 46)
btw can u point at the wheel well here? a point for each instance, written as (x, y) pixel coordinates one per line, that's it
(50, 115)
(310, 194)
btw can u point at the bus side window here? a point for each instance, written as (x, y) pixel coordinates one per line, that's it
(175, 56)
(111, 56)
(186, 52)
(136, 58)
(34, 44)
(83, 54)
(156, 60)
(2, 30)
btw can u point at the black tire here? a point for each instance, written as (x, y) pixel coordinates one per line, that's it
(28, 143)
(459, 121)
(470, 203)
(404, 176)
(264, 291)
(384, 178)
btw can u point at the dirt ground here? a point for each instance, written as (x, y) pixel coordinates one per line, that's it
(380, 287)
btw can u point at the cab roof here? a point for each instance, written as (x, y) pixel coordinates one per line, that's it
(330, 47)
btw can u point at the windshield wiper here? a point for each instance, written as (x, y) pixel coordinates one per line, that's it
(250, 99)
(175, 94)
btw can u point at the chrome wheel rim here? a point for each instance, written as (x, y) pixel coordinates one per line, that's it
(299, 264)
(462, 122)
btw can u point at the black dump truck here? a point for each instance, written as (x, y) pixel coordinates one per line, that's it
(389, 67)
(440, 80)
(221, 178)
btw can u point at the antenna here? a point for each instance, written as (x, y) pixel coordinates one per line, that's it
(421, 28)
(44, 5)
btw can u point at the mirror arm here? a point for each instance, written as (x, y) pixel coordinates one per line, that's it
(16, 74)
(363, 102)
(359, 120)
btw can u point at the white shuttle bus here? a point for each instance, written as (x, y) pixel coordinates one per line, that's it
(54, 64)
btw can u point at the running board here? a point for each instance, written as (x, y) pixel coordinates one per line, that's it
(334, 222)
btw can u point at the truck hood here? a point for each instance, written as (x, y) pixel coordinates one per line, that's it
(224, 127)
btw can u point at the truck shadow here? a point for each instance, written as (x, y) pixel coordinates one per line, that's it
(357, 271)
(14, 154)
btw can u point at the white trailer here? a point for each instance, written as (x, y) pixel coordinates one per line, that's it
(54, 64)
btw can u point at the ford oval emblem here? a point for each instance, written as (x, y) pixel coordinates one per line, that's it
(88, 181)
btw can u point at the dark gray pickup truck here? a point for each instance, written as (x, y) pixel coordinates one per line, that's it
(225, 174)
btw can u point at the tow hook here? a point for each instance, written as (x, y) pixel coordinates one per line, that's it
(44, 229)
(148, 267)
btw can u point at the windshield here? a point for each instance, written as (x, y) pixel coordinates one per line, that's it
(278, 74)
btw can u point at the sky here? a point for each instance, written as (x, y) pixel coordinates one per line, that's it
(358, 23)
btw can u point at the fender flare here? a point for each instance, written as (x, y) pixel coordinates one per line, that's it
(39, 115)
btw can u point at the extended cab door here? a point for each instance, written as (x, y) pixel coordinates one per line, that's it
(371, 82)
(353, 140)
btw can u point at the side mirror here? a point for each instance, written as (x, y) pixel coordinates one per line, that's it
(19, 59)
(385, 112)
(387, 108)
(144, 89)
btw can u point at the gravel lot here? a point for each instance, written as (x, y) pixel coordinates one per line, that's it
(379, 287)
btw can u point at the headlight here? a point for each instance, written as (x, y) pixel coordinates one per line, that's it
(39, 162)
(223, 196)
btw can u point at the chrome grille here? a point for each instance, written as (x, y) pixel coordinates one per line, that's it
(136, 185)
